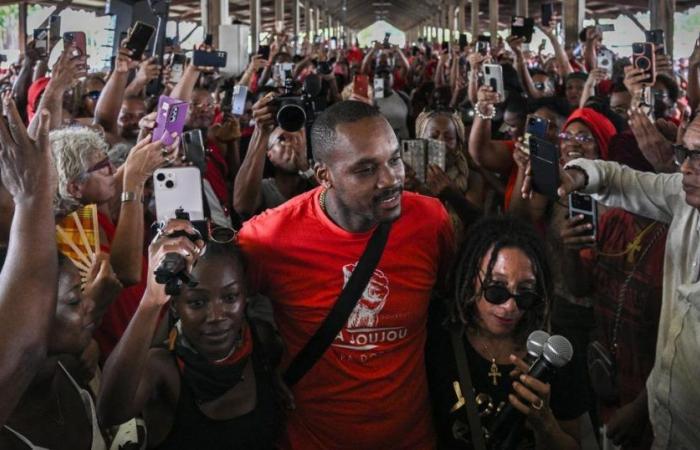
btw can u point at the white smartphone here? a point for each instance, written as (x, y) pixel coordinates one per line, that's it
(178, 188)
(493, 76)
(240, 93)
(378, 88)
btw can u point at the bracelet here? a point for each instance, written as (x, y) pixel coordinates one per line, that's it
(480, 115)
(580, 169)
(129, 197)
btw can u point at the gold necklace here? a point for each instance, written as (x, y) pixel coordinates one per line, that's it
(494, 373)
(322, 199)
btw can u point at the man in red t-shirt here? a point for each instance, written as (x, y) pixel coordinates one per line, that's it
(369, 388)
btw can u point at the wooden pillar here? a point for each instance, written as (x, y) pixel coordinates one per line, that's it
(296, 29)
(462, 19)
(661, 12)
(450, 22)
(474, 18)
(255, 24)
(317, 17)
(574, 13)
(22, 26)
(214, 13)
(279, 15)
(521, 8)
(493, 21)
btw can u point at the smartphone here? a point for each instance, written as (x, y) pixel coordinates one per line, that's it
(360, 85)
(421, 153)
(317, 39)
(483, 44)
(445, 46)
(544, 163)
(177, 67)
(606, 59)
(138, 39)
(264, 51)
(643, 57)
(41, 41)
(493, 76)
(386, 43)
(54, 29)
(178, 188)
(172, 114)
(523, 27)
(334, 43)
(581, 204)
(193, 149)
(606, 27)
(547, 13)
(209, 39)
(240, 95)
(536, 126)
(656, 37)
(75, 40)
(462, 42)
(201, 58)
(378, 87)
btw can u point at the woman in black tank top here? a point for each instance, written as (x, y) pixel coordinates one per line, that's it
(211, 384)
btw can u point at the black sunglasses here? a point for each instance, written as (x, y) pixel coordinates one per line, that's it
(498, 295)
(680, 153)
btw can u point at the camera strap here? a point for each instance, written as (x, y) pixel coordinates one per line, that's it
(343, 307)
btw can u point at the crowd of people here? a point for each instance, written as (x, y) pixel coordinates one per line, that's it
(341, 297)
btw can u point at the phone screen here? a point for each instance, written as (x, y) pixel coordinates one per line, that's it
(138, 39)
(264, 51)
(581, 204)
(240, 94)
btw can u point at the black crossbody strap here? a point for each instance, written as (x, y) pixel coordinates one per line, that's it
(338, 316)
(465, 381)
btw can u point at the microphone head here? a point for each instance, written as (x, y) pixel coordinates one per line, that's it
(536, 341)
(558, 351)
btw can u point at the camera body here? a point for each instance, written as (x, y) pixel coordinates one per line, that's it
(294, 110)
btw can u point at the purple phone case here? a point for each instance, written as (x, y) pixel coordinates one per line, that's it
(172, 114)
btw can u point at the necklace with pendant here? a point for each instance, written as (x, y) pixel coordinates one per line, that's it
(322, 199)
(494, 372)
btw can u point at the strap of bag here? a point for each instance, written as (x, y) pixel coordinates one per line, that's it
(338, 316)
(465, 380)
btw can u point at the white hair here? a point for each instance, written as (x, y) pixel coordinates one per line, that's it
(73, 150)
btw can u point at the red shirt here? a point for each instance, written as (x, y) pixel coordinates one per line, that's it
(369, 390)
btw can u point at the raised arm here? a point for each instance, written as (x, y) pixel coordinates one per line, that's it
(516, 43)
(247, 189)
(559, 53)
(367, 60)
(590, 55)
(476, 60)
(595, 76)
(129, 378)
(256, 63)
(149, 69)
(109, 104)
(28, 281)
(488, 154)
(20, 88)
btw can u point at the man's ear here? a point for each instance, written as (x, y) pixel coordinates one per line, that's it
(323, 175)
(75, 189)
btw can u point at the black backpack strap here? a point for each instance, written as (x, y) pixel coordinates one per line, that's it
(338, 316)
(465, 381)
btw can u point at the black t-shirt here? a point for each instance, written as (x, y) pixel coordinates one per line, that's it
(453, 427)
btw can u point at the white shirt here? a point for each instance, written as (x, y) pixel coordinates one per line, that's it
(673, 386)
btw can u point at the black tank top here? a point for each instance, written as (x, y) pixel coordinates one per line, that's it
(256, 430)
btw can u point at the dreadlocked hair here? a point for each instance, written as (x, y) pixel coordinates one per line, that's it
(497, 233)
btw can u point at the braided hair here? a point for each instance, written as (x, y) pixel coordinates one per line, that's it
(496, 233)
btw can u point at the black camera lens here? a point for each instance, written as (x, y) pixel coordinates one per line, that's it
(291, 117)
(160, 177)
(170, 184)
(643, 63)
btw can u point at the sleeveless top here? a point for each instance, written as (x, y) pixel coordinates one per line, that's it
(98, 442)
(255, 430)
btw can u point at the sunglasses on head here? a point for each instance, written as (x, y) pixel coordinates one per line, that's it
(497, 295)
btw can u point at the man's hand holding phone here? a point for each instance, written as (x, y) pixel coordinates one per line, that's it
(576, 233)
(570, 180)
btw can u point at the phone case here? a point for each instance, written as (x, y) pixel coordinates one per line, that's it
(421, 153)
(76, 39)
(138, 39)
(201, 58)
(240, 93)
(584, 204)
(178, 188)
(41, 40)
(493, 76)
(536, 126)
(606, 60)
(544, 162)
(193, 145)
(172, 114)
(643, 57)
(378, 88)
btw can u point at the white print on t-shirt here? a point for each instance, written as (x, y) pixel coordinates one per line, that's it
(362, 331)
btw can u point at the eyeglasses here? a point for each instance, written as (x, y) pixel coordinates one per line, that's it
(100, 165)
(498, 295)
(680, 153)
(578, 138)
(95, 95)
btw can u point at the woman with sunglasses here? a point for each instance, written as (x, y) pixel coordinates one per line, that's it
(502, 294)
(210, 384)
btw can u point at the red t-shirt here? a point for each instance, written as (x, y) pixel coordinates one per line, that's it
(369, 389)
